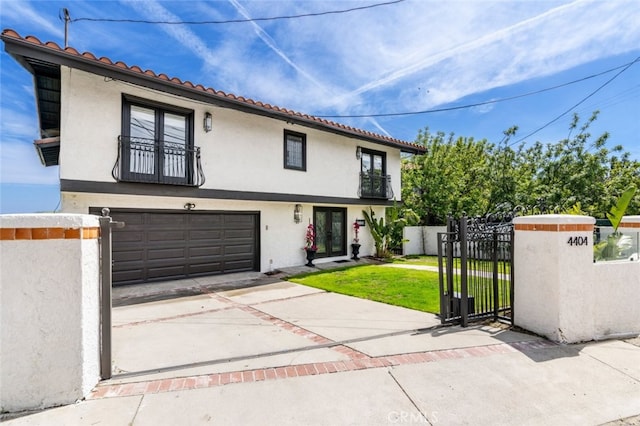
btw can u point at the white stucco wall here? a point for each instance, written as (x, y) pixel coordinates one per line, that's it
(561, 293)
(243, 152)
(49, 323)
(281, 240)
(422, 239)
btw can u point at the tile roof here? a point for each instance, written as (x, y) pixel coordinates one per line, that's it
(9, 34)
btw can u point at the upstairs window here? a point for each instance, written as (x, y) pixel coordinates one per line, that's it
(295, 150)
(156, 143)
(374, 181)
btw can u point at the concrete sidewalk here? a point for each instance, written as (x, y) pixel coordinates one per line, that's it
(283, 353)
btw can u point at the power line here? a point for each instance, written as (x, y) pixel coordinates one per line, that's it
(236, 21)
(579, 103)
(628, 93)
(494, 101)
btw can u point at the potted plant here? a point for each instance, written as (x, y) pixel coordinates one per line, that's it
(310, 244)
(355, 246)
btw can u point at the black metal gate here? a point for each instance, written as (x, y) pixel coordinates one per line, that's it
(475, 262)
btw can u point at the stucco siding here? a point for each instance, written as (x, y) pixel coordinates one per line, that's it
(243, 152)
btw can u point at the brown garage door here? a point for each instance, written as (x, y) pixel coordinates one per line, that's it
(161, 245)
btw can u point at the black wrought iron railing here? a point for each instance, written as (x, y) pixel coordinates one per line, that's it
(151, 161)
(375, 186)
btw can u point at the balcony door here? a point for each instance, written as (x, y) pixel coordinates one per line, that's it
(156, 143)
(331, 231)
(373, 173)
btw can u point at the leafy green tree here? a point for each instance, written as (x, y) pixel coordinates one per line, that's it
(463, 175)
(578, 169)
(451, 178)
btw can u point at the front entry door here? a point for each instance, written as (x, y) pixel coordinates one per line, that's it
(331, 231)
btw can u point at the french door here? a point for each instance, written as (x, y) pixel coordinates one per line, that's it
(157, 143)
(331, 231)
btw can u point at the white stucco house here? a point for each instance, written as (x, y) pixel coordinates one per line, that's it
(207, 182)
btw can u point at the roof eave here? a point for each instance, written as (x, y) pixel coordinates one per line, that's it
(20, 48)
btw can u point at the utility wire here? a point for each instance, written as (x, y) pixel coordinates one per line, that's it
(236, 21)
(579, 103)
(494, 101)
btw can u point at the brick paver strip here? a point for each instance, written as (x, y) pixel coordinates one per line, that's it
(357, 360)
(293, 328)
(331, 367)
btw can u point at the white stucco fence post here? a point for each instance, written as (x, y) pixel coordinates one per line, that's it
(560, 293)
(50, 301)
(551, 274)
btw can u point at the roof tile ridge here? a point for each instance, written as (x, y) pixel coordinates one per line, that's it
(10, 33)
(33, 39)
(175, 80)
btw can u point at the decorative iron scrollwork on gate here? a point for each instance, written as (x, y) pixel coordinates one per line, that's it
(476, 269)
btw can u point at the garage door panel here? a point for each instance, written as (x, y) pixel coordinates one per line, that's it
(196, 244)
(205, 234)
(206, 268)
(206, 251)
(166, 235)
(236, 245)
(165, 218)
(136, 267)
(128, 256)
(131, 236)
(239, 219)
(157, 245)
(134, 275)
(243, 249)
(158, 262)
(238, 265)
(132, 219)
(177, 253)
(168, 272)
(207, 221)
(238, 233)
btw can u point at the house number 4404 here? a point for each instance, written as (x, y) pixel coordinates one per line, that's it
(578, 241)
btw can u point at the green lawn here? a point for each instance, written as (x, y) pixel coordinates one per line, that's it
(396, 286)
(417, 260)
(433, 261)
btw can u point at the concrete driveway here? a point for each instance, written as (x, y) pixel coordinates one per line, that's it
(283, 353)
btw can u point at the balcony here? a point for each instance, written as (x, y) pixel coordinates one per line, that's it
(150, 161)
(375, 186)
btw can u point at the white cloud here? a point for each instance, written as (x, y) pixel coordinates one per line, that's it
(452, 49)
(18, 10)
(508, 52)
(273, 45)
(19, 163)
(18, 125)
(155, 11)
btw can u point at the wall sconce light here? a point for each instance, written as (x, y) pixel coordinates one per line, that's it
(208, 122)
(297, 213)
(359, 152)
(189, 206)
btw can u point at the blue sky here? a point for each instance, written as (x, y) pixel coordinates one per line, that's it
(414, 55)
